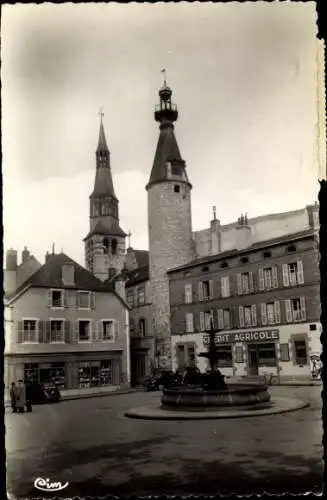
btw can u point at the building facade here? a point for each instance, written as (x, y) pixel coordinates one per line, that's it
(65, 325)
(264, 300)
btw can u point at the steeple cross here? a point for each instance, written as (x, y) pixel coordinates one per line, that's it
(101, 113)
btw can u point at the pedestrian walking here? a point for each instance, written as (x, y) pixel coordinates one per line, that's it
(13, 395)
(20, 397)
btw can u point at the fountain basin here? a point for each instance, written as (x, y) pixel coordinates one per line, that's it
(196, 397)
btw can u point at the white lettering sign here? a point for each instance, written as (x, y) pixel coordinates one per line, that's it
(46, 485)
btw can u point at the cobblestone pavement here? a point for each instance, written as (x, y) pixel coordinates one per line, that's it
(100, 452)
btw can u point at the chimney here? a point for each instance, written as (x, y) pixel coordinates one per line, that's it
(11, 260)
(10, 273)
(243, 233)
(25, 255)
(215, 233)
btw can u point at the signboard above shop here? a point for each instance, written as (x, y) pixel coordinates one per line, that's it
(247, 337)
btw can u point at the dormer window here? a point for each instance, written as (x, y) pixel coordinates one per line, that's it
(266, 255)
(223, 265)
(291, 248)
(68, 274)
(244, 260)
(205, 269)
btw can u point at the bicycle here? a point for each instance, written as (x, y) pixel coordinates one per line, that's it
(271, 379)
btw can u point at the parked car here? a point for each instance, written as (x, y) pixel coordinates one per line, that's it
(163, 378)
(43, 393)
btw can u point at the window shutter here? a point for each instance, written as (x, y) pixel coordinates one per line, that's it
(288, 311)
(264, 319)
(20, 332)
(47, 332)
(220, 315)
(202, 321)
(277, 311)
(241, 316)
(261, 279)
(300, 276)
(254, 314)
(239, 284)
(76, 331)
(303, 314)
(49, 293)
(67, 326)
(93, 331)
(65, 292)
(225, 286)
(40, 327)
(92, 300)
(189, 322)
(274, 277)
(251, 284)
(201, 291)
(227, 319)
(116, 330)
(211, 289)
(286, 280)
(284, 352)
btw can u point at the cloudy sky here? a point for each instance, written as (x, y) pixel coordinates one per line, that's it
(244, 79)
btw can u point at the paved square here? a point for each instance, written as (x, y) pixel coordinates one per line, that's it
(92, 445)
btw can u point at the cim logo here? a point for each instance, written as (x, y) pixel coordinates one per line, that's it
(46, 485)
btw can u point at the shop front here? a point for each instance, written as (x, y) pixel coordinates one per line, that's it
(249, 353)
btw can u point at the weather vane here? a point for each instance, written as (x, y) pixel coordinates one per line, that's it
(164, 73)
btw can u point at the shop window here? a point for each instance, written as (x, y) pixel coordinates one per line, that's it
(30, 330)
(46, 372)
(84, 330)
(108, 330)
(57, 298)
(266, 354)
(106, 372)
(300, 348)
(31, 372)
(83, 300)
(284, 352)
(57, 330)
(225, 357)
(140, 296)
(142, 327)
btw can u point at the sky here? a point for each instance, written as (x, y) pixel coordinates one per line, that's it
(244, 78)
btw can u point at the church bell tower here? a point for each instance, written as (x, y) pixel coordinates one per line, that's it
(169, 220)
(105, 243)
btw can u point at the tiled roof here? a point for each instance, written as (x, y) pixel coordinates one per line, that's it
(49, 276)
(167, 150)
(101, 228)
(137, 276)
(255, 246)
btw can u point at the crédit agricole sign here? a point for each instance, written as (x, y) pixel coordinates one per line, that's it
(258, 336)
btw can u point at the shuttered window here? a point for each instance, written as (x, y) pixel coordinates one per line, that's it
(189, 322)
(225, 286)
(30, 331)
(188, 294)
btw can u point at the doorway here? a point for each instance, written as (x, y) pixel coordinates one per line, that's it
(253, 360)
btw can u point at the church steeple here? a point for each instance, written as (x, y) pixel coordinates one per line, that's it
(168, 163)
(105, 243)
(103, 185)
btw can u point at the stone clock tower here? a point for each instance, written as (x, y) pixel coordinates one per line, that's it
(105, 243)
(169, 220)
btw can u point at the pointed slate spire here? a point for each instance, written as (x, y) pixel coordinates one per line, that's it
(103, 185)
(168, 163)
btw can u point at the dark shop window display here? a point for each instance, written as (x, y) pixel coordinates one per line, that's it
(267, 354)
(94, 373)
(225, 357)
(42, 373)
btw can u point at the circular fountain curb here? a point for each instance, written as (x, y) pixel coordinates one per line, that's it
(279, 405)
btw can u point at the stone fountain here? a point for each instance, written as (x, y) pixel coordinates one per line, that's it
(209, 391)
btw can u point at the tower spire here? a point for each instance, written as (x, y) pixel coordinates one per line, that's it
(102, 143)
(168, 163)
